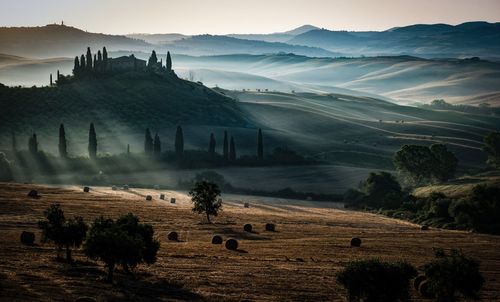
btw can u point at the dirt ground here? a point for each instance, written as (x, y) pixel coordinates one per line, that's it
(298, 262)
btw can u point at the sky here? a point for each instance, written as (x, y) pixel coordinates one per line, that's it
(241, 16)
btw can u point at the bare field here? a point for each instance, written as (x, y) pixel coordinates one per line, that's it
(298, 262)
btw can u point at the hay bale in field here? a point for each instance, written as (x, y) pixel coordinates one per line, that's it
(149, 197)
(27, 238)
(419, 279)
(217, 239)
(173, 236)
(232, 244)
(246, 205)
(356, 242)
(247, 227)
(85, 299)
(125, 187)
(86, 189)
(424, 227)
(114, 188)
(424, 289)
(270, 227)
(162, 196)
(33, 194)
(172, 200)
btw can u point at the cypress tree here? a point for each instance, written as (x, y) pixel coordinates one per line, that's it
(169, 62)
(104, 58)
(95, 62)
(225, 150)
(148, 142)
(76, 67)
(58, 76)
(157, 146)
(89, 60)
(153, 60)
(211, 144)
(14, 142)
(179, 143)
(260, 146)
(33, 144)
(63, 153)
(92, 142)
(128, 149)
(82, 64)
(51, 80)
(99, 60)
(232, 150)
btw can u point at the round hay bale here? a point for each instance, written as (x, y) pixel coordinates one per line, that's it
(85, 299)
(162, 196)
(125, 187)
(424, 290)
(173, 236)
(247, 227)
(149, 197)
(217, 239)
(33, 194)
(246, 205)
(270, 227)
(172, 200)
(424, 227)
(356, 242)
(27, 238)
(86, 189)
(419, 279)
(232, 244)
(114, 188)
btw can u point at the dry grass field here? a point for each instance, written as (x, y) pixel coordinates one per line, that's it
(298, 262)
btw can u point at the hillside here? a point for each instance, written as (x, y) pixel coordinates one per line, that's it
(121, 105)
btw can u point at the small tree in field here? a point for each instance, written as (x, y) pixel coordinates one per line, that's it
(67, 233)
(125, 242)
(204, 196)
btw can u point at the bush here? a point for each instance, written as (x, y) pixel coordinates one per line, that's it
(455, 273)
(67, 233)
(374, 280)
(232, 244)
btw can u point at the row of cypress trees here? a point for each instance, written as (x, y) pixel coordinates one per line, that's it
(88, 63)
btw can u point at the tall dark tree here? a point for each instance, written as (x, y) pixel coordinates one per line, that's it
(76, 67)
(148, 142)
(51, 83)
(33, 144)
(82, 64)
(95, 63)
(225, 147)
(92, 142)
(211, 144)
(232, 150)
(169, 62)
(99, 61)
(179, 143)
(62, 142)
(89, 64)
(104, 58)
(260, 146)
(153, 60)
(128, 149)
(58, 76)
(157, 146)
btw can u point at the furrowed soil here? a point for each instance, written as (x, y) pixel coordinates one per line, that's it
(297, 262)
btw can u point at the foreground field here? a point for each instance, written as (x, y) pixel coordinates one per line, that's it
(298, 262)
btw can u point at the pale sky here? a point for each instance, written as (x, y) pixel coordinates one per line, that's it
(241, 16)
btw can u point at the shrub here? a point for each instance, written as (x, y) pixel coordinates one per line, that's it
(217, 239)
(86, 189)
(374, 280)
(33, 194)
(356, 242)
(173, 236)
(27, 238)
(5, 168)
(67, 233)
(126, 242)
(232, 244)
(247, 227)
(382, 191)
(204, 196)
(455, 273)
